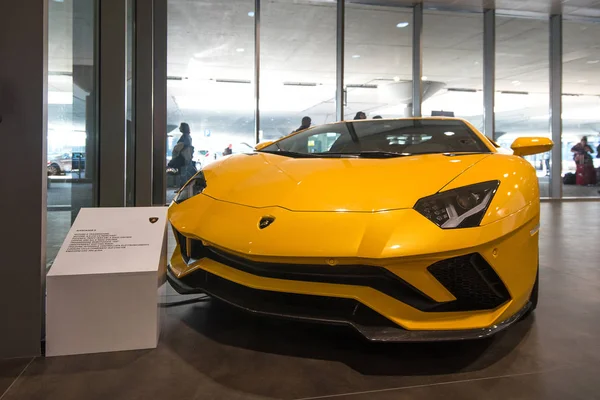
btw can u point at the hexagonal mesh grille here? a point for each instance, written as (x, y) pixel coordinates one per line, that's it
(472, 281)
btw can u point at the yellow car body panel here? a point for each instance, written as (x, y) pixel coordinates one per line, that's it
(409, 261)
(263, 180)
(342, 212)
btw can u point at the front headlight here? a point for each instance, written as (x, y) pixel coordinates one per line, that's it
(195, 186)
(458, 208)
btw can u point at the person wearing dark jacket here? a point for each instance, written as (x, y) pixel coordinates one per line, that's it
(185, 138)
(360, 115)
(582, 152)
(582, 155)
(306, 121)
(187, 169)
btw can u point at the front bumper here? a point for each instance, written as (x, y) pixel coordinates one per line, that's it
(437, 285)
(322, 309)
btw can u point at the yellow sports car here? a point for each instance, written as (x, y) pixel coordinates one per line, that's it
(417, 229)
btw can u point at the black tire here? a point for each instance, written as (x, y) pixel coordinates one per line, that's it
(54, 169)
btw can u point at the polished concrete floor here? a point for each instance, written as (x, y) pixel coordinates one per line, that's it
(212, 352)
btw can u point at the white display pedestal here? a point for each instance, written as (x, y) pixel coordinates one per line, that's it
(103, 290)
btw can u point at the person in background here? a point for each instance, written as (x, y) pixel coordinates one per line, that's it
(183, 155)
(360, 115)
(546, 157)
(378, 117)
(585, 172)
(598, 156)
(582, 152)
(306, 122)
(228, 150)
(185, 138)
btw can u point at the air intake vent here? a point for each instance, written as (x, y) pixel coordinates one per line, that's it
(472, 281)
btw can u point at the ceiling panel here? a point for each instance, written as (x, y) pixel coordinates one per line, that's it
(212, 40)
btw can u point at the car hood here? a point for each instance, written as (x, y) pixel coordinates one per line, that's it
(332, 184)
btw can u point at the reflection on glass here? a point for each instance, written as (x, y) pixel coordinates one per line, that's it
(452, 64)
(581, 109)
(378, 61)
(522, 84)
(210, 68)
(298, 58)
(71, 137)
(129, 112)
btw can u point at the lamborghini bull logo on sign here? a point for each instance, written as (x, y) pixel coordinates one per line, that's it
(153, 220)
(265, 221)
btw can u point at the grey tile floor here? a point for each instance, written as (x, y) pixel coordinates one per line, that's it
(209, 351)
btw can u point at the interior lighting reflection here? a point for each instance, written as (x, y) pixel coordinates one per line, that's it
(394, 247)
(251, 14)
(402, 25)
(60, 97)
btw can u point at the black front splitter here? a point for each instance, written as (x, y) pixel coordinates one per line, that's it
(201, 281)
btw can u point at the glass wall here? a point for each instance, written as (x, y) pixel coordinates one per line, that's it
(523, 87)
(211, 74)
(71, 158)
(210, 68)
(298, 61)
(581, 109)
(453, 65)
(378, 61)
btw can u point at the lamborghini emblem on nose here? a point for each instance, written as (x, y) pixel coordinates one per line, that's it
(153, 220)
(265, 221)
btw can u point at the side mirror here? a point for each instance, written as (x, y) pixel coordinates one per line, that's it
(526, 146)
(263, 145)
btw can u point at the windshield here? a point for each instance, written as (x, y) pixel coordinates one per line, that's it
(381, 138)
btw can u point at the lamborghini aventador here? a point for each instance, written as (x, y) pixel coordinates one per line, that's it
(407, 230)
